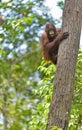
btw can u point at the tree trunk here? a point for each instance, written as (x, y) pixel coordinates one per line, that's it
(67, 56)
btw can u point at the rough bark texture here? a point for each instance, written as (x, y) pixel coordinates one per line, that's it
(67, 56)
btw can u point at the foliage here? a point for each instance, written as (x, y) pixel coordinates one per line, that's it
(45, 91)
(61, 4)
(20, 56)
(55, 128)
(76, 111)
(21, 89)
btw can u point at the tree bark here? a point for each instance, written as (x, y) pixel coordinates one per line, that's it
(67, 56)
